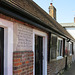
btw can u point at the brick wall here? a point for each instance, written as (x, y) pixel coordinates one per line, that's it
(23, 46)
(69, 59)
(55, 66)
(23, 63)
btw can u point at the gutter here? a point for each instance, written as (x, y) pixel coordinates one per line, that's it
(19, 14)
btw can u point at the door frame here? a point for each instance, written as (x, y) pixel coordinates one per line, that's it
(44, 35)
(8, 46)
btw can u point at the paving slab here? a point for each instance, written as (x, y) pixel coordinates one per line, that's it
(71, 70)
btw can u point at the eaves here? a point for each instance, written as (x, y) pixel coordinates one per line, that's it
(19, 14)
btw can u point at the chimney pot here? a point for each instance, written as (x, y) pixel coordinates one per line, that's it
(51, 4)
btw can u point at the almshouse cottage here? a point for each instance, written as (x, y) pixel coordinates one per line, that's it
(31, 41)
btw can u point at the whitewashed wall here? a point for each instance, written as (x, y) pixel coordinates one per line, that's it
(71, 31)
(23, 37)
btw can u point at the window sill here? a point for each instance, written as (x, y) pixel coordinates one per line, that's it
(70, 54)
(59, 57)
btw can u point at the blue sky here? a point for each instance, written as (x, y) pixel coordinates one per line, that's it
(65, 9)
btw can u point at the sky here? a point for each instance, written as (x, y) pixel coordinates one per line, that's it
(65, 9)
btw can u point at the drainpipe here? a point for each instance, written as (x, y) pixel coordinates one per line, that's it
(66, 63)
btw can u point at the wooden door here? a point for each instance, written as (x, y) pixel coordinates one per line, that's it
(38, 55)
(1, 51)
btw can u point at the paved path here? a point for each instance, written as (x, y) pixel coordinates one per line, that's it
(70, 71)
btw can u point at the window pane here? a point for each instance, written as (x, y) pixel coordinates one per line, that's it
(59, 49)
(71, 48)
(53, 47)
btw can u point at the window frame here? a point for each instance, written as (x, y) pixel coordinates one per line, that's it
(8, 46)
(60, 56)
(70, 48)
(59, 39)
(57, 57)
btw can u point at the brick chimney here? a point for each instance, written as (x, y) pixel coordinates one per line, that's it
(52, 11)
(74, 19)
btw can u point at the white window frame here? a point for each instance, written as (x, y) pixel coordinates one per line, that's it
(60, 57)
(69, 47)
(57, 57)
(8, 46)
(44, 35)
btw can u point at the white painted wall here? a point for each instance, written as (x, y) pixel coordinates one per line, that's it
(71, 31)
